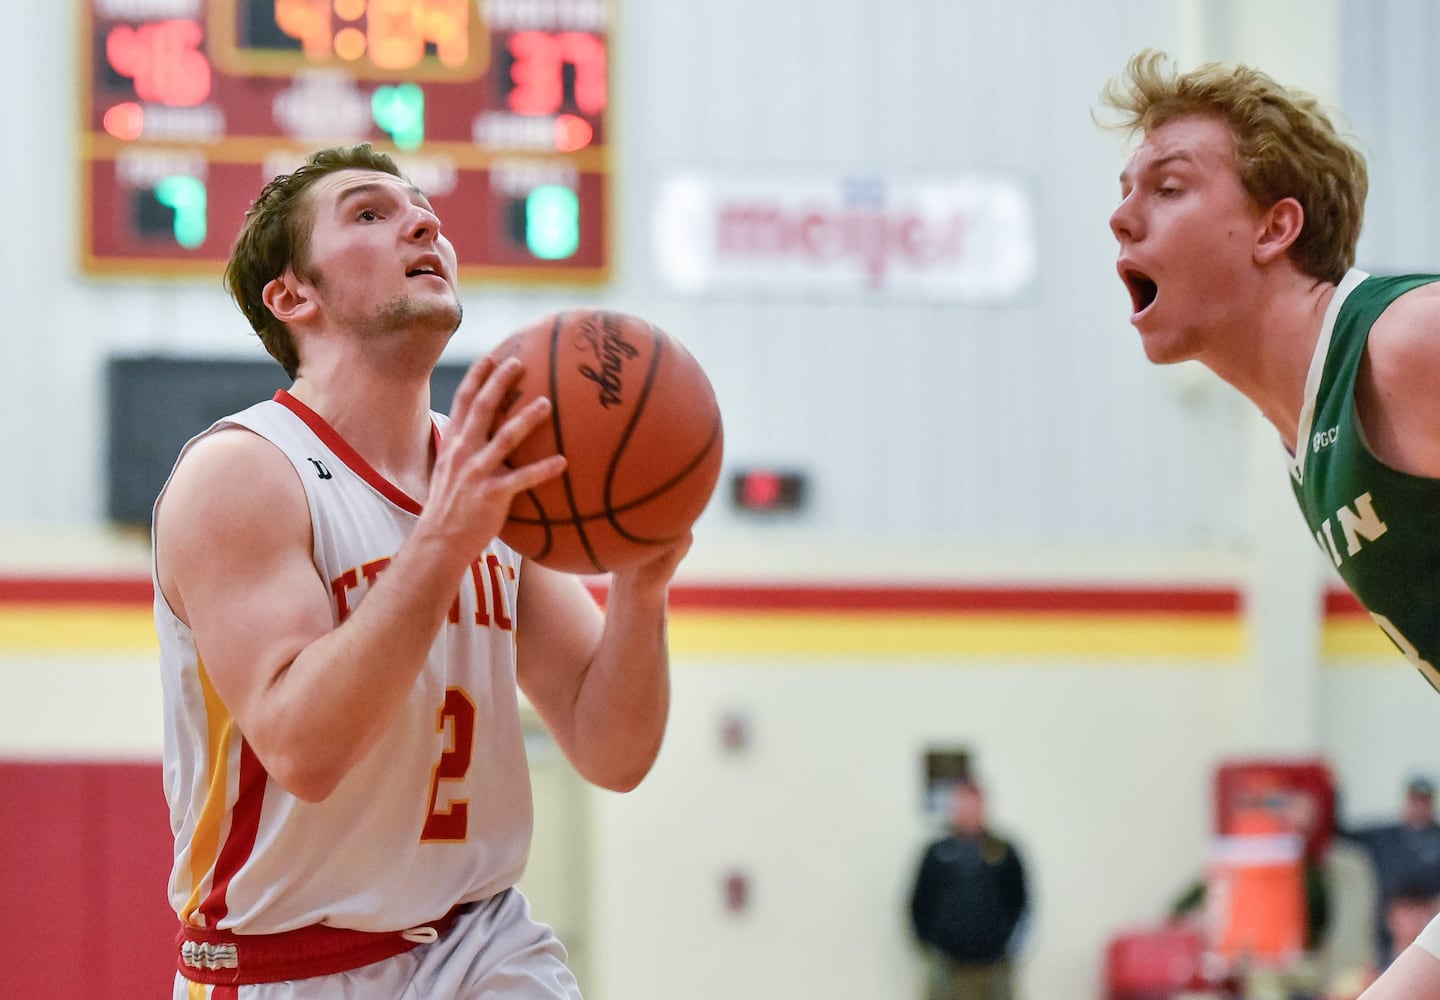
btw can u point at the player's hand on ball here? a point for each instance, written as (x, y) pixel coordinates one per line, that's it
(658, 570)
(472, 485)
(637, 418)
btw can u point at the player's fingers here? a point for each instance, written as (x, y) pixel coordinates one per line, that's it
(527, 477)
(491, 399)
(475, 376)
(517, 426)
(658, 568)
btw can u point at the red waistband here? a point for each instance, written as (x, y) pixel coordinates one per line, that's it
(224, 959)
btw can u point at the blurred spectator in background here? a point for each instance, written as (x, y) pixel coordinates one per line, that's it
(968, 900)
(1412, 904)
(1406, 856)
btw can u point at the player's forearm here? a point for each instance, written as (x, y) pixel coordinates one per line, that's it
(623, 701)
(335, 699)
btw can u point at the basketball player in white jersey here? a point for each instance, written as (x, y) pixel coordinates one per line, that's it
(343, 635)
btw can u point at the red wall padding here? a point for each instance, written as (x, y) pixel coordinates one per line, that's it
(85, 853)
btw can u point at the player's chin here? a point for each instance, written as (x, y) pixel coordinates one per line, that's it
(1163, 349)
(442, 313)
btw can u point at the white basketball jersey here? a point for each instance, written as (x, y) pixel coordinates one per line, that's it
(437, 813)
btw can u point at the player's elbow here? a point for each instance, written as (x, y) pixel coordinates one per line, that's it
(622, 783)
(623, 776)
(307, 780)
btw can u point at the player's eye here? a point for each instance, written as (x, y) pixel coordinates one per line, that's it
(368, 215)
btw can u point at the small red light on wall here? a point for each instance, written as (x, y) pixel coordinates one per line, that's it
(736, 891)
(767, 491)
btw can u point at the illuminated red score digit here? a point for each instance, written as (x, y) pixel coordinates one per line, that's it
(164, 60)
(537, 72)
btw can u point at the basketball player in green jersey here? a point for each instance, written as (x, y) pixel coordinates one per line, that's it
(1239, 214)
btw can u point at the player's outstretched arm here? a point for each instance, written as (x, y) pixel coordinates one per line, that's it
(233, 547)
(1415, 975)
(601, 683)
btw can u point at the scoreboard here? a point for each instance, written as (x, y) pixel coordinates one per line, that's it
(497, 109)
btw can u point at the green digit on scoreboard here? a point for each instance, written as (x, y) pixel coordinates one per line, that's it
(552, 222)
(186, 195)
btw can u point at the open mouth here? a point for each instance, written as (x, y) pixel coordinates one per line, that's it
(1142, 288)
(417, 271)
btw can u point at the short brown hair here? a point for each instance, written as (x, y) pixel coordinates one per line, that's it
(276, 236)
(1285, 146)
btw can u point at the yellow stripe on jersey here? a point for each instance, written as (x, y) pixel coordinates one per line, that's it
(205, 843)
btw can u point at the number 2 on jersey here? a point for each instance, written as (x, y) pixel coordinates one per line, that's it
(450, 823)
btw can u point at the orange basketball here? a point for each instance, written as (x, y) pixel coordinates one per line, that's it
(636, 419)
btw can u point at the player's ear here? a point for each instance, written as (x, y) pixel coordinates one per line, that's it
(289, 298)
(1280, 228)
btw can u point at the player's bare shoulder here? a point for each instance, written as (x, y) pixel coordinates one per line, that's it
(1400, 380)
(231, 494)
(1408, 325)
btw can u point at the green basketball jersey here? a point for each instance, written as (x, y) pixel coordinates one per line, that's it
(1379, 526)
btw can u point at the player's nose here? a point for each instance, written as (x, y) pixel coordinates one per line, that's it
(424, 225)
(1124, 221)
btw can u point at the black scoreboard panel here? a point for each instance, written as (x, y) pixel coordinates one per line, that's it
(497, 109)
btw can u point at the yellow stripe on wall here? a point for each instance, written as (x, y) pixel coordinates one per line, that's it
(705, 634)
(701, 634)
(1355, 637)
(123, 628)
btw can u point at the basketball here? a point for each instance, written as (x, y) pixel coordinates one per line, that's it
(636, 419)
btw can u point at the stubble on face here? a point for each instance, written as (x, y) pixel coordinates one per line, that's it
(405, 314)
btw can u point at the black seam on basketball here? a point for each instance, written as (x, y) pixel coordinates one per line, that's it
(565, 481)
(657, 349)
(639, 501)
(666, 486)
(543, 521)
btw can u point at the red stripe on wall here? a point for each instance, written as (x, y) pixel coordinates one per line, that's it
(1170, 600)
(779, 597)
(1343, 603)
(76, 590)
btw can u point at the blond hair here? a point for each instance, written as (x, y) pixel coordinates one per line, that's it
(1285, 146)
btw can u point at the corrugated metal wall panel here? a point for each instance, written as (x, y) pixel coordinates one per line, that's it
(1033, 423)
(1389, 79)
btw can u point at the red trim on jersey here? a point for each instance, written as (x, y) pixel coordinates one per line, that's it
(240, 842)
(318, 950)
(349, 455)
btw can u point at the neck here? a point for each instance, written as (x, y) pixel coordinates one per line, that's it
(1267, 357)
(383, 415)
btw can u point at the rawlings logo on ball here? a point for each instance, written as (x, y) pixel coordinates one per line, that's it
(637, 420)
(611, 352)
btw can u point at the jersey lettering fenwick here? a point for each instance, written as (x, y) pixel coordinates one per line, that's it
(1379, 526)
